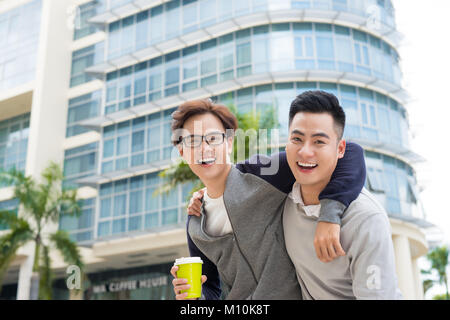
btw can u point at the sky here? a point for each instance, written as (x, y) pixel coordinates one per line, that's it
(425, 62)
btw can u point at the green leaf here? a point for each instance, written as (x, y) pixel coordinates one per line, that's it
(11, 242)
(68, 249)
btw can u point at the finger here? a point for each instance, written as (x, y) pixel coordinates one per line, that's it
(178, 282)
(318, 251)
(331, 252)
(338, 248)
(178, 289)
(193, 212)
(204, 278)
(173, 271)
(324, 251)
(196, 206)
(198, 195)
(181, 296)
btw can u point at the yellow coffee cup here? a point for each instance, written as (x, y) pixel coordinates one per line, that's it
(190, 268)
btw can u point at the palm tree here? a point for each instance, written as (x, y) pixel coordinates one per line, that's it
(180, 173)
(439, 262)
(41, 204)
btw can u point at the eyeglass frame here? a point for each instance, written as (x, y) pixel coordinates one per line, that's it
(182, 139)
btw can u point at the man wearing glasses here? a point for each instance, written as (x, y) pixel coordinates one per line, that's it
(239, 236)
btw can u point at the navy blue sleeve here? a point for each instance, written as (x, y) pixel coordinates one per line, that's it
(282, 178)
(211, 288)
(345, 184)
(348, 178)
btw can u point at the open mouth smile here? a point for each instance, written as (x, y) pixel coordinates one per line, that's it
(206, 162)
(306, 167)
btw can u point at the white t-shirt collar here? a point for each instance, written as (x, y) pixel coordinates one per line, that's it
(296, 196)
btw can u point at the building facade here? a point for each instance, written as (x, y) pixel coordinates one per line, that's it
(104, 77)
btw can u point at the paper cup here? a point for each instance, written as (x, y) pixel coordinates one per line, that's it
(191, 269)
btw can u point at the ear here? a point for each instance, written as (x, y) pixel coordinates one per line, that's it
(341, 148)
(229, 144)
(180, 149)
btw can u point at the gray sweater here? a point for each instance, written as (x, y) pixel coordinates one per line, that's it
(252, 261)
(367, 271)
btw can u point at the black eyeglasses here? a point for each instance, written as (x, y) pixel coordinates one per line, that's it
(195, 140)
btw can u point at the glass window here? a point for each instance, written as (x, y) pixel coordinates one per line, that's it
(190, 68)
(105, 208)
(324, 48)
(142, 30)
(104, 228)
(136, 202)
(172, 16)
(207, 12)
(118, 226)
(135, 223)
(243, 53)
(122, 145)
(120, 205)
(137, 141)
(156, 25)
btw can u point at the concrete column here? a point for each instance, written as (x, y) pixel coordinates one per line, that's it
(404, 267)
(49, 107)
(49, 104)
(417, 280)
(25, 272)
(75, 294)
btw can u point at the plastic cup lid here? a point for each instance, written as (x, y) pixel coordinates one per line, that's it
(186, 260)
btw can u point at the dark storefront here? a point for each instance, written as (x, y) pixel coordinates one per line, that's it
(142, 283)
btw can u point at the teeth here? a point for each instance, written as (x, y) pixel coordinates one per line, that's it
(207, 160)
(303, 164)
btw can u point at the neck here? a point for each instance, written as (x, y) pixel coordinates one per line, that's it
(216, 187)
(310, 193)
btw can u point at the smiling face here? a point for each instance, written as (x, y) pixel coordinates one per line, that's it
(313, 148)
(207, 161)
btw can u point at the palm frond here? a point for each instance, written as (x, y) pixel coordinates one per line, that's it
(8, 218)
(25, 190)
(11, 242)
(178, 173)
(68, 248)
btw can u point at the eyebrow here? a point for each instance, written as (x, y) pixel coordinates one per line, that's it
(319, 134)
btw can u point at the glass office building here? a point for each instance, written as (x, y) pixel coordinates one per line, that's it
(134, 61)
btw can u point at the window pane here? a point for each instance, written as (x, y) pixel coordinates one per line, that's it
(243, 53)
(105, 208)
(170, 216)
(152, 202)
(108, 148)
(122, 145)
(135, 223)
(136, 201)
(104, 228)
(151, 220)
(120, 205)
(325, 48)
(118, 226)
(137, 143)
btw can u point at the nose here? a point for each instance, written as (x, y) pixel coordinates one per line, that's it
(306, 151)
(205, 146)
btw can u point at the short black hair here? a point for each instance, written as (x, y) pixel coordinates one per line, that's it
(318, 101)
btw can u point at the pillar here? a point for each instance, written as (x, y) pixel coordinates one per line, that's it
(404, 267)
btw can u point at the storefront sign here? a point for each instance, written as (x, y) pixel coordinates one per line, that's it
(131, 284)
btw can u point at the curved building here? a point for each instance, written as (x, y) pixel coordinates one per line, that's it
(128, 64)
